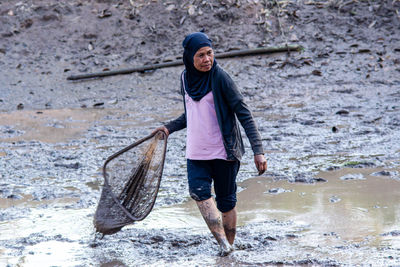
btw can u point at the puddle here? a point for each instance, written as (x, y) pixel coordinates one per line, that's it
(62, 236)
(353, 217)
(53, 252)
(28, 202)
(59, 125)
(48, 236)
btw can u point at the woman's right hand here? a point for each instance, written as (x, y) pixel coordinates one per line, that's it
(161, 128)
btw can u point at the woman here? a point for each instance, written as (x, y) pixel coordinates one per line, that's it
(214, 145)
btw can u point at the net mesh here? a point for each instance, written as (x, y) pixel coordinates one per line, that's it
(132, 178)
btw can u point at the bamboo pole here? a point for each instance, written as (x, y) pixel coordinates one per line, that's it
(239, 53)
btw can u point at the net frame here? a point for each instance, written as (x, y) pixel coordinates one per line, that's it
(116, 199)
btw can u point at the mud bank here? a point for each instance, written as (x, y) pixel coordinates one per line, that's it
(329, 119)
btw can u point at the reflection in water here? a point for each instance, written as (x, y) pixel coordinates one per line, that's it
(51, 237)
(366, 208)
(53, 253)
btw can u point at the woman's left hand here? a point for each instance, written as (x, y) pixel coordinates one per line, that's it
(261, 163)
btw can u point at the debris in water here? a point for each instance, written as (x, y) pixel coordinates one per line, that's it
(334, 199)
(356, 176)
(75, 165)
(90, 46)
(104, 14)
(276, 191)
(317, 72)
(99, 104)
(342, 112)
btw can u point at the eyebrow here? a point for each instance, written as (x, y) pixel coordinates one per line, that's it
(206, 52)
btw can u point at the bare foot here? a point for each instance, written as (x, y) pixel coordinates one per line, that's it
(225, 249)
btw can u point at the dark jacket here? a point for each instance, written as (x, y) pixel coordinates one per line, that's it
(228, 102)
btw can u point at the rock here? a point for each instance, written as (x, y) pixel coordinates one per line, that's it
(276, 191)
(293, 38)
(90, 46)
(75, 165)
(14, 196)
(99, 104)
(158, 239)
(317, 72)
(89, 35)
(7, 34)
(392, 233)
(357, 164)
(170, 7)
(356, 176)
(334, 199)
(386, 173)
(27, 23)
(20, 106)
(49, 17)
(343, 112)
(104, 14)
(192, 10)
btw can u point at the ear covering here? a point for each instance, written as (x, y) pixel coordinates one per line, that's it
(197, 84)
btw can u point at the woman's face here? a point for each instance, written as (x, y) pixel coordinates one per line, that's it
(203, 59)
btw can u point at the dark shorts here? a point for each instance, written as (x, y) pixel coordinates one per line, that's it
(201, 174)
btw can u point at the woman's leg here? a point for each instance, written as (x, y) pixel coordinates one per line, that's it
(229, 223)
(200, 181)
(225, 189)
(212, 217)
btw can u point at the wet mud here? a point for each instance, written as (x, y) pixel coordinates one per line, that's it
(329, 118)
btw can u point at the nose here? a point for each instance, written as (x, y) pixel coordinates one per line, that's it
(207, 58)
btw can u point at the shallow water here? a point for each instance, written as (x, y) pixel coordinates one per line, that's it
(363, 211)
(354, 216)
(51, 180)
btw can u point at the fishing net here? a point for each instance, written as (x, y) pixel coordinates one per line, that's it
(132, 178)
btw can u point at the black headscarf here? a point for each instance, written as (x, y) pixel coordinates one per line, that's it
(197, 83)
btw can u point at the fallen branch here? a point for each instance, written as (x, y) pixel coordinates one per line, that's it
(239, 53)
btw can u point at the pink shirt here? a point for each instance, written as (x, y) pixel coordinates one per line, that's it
(204, 138)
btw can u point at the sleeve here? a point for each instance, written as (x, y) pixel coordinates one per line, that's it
(236, 102)
(177, 124)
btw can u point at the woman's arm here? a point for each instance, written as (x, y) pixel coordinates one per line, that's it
(177, 124)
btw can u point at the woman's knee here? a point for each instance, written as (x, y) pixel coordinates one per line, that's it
(226, 203)
(200, 192)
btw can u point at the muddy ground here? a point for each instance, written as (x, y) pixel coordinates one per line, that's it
(329, 118)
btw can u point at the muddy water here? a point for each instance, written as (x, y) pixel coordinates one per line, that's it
(51, 181)
(55, 126)
(352, 207)
(342, 207)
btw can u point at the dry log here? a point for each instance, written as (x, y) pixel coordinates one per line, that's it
(238, 53)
